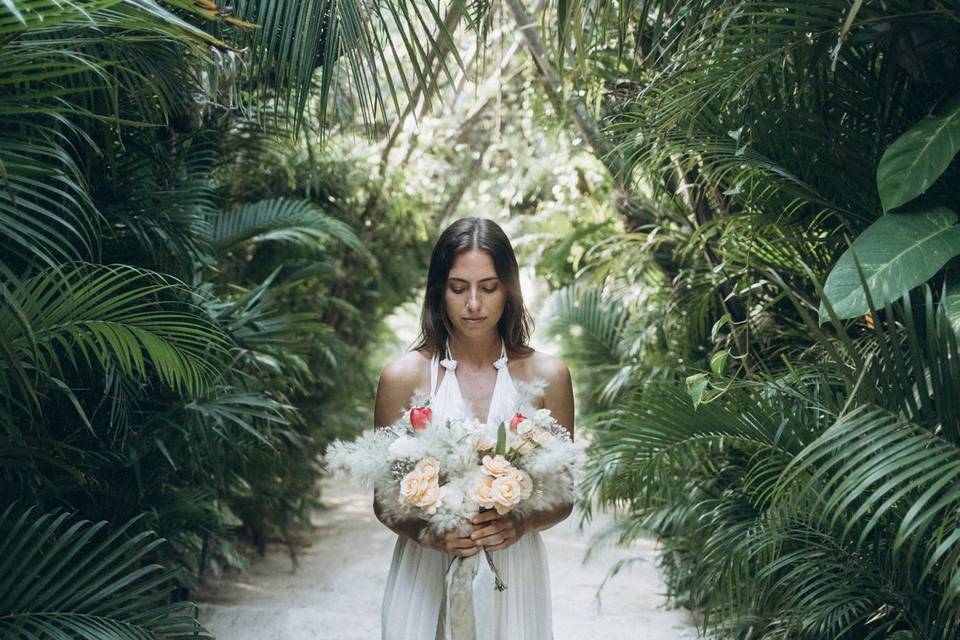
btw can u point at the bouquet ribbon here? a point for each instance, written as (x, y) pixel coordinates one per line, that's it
(466, 610)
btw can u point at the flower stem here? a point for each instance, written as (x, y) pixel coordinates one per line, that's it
(498, 583)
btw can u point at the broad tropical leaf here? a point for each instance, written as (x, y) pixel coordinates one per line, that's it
(896, 253)
(917, 158)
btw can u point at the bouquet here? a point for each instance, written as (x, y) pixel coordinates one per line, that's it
(447, 473)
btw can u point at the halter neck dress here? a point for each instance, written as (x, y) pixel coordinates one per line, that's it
(415, 582)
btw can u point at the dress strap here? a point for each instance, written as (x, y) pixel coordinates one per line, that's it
(499, 363)
(433, 376)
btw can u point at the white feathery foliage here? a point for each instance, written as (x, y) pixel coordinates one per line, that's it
(445, 473)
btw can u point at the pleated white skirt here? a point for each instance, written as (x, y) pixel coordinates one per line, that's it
(411, 600)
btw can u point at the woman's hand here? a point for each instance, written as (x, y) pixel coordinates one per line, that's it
(494, 531)
(453, 542)
(459, 543)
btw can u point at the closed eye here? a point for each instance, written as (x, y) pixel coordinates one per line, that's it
(493, 290)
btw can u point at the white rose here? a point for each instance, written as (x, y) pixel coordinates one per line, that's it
(542, 417)
(431, 499)
(472, 425)
(506, 492)
(429, 468)
(495, 466)
(524, 427)
(542, 437)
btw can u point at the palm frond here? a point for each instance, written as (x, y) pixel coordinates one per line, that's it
(64, 577)
(300, 222)
(386, 43)
(89, 316)
(596, 323)
(872, 469)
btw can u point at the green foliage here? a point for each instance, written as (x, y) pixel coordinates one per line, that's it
(65, 577)
(297, 222)
(170, 344)
(798, 503)
(917, 158)
(799, 477)
(895, 254)
(87, 316)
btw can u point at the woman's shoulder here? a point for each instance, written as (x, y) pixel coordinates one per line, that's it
(408, 371)
(539, 364)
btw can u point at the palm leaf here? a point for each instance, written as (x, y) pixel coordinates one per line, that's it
(373, 44)
(89, 316)
(64, 577)
(597, 323)
(299, 222)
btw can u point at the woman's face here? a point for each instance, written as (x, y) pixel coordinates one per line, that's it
(473, 290)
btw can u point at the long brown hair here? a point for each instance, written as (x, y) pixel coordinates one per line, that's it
(516, 323)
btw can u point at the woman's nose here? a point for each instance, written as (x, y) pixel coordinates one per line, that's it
(473, 300)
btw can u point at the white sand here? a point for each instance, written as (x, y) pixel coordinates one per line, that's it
(335, 594)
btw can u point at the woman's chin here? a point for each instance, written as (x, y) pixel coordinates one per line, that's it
(475, 327)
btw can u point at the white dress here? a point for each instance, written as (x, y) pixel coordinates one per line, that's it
(415, 583)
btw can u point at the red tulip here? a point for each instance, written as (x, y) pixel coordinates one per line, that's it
(515, 420)
(420, 417)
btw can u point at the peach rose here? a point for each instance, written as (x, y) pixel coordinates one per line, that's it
(523, 480)
(418, 490)
(431, 499)
(506, 492)
(483, 492)
(412, 486)
(496, 466)
(429, 468)
(481, 443)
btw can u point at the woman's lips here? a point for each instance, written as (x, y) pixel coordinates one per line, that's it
(474, 319)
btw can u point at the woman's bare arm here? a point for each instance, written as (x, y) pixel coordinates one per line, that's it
(558, 397)
(398, 382)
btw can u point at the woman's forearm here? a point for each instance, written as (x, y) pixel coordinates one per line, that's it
(541, 520)
(408, 528)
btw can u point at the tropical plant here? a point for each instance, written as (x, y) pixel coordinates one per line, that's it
(65, 577)
(775, 435)
(149, 366)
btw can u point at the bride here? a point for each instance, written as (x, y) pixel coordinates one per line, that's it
(472, 358)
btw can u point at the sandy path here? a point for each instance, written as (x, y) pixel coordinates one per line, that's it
(336, 592)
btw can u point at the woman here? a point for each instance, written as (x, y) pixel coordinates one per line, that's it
(471, 355)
